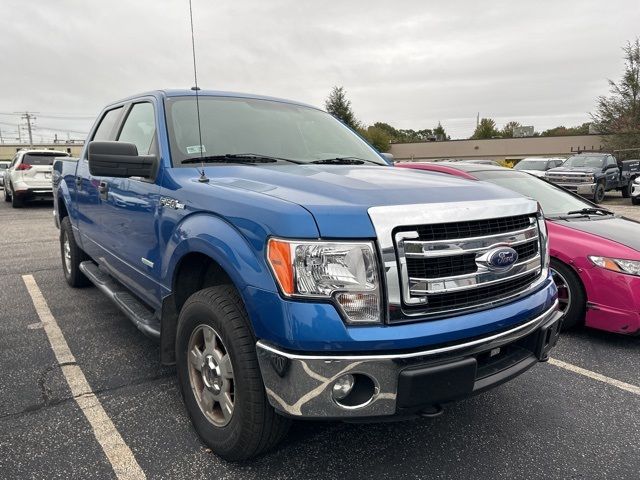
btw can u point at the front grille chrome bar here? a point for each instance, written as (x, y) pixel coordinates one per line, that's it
(441, 248)
(425, 286)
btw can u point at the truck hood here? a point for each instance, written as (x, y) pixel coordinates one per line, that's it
(618, 229)
(575, 170)
(338, 196)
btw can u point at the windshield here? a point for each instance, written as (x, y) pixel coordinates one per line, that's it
(553, 200)
(531, 165)
(261, 127)
(584, 161)
(4, 166)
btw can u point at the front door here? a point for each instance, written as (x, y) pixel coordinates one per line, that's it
(131, 210)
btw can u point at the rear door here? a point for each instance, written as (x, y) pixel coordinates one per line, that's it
(88, 200)
(612, 172)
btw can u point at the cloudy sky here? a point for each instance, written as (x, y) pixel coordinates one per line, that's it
(408, 63)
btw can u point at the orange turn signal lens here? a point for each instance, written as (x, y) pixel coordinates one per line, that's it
(279, 255)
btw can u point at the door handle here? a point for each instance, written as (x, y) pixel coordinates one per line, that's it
(104, 190)
(79, 182)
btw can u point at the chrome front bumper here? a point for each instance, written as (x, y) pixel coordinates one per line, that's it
(301, 385)
(579, 188)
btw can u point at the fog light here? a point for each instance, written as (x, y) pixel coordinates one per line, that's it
(342, 386)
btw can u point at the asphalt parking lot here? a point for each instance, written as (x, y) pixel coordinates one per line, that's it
(552, 422)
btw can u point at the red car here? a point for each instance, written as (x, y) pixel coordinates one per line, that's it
(595, 254)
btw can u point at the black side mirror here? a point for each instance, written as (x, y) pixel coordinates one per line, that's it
(119, 159)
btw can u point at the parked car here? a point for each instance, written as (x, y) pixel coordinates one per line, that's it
(29, 176)
(4, 164)
(635, 194)
(538, 165)
(290, 272)
(483, 162)
(595, 254)
(593, 174)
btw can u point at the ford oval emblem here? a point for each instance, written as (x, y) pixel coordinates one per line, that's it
(502, 258)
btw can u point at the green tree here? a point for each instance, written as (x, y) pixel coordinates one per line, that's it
(439, 131)
(562, 130)
(619, 113)
(339, 106)
(378, 137)
(485, 129)
(507, 130)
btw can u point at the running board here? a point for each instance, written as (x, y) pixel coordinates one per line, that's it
(140, 315)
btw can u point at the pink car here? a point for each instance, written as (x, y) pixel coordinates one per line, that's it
(595, 254)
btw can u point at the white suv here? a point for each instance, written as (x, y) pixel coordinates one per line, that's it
(635, 193)
(29, 176)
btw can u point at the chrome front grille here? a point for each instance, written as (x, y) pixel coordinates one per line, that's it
(434, 255)
(443, 268)
(569, 178)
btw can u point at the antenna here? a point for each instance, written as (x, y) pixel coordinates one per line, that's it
(203, 178)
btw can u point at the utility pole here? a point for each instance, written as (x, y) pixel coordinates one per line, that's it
(478, 119)
(29, 117)
(1, 140)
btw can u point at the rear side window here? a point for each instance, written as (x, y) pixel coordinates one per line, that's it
(105, 129)
(41, 158)
(139, 128)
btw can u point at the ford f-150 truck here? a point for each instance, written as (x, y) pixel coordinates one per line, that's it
(594, 174)
(290, 272)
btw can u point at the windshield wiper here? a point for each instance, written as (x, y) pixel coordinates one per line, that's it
(343, 161)
(591, 211)
(237, 158)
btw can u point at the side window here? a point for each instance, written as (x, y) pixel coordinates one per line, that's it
(140, 127)
(611, 161)
(105, 129)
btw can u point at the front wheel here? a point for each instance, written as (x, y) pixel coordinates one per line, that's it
(635, 200)
(7, 197)
(571, 296)
(598, 195)
(220, 378)
(626, 190)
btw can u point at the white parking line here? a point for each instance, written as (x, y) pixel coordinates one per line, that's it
(118, 453)
(596, 376)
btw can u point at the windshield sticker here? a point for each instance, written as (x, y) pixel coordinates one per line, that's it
(196, 149)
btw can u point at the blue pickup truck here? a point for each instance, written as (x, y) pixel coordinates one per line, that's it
(289, 271)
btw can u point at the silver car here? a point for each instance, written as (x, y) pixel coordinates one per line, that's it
(4, 164)
(538, 165)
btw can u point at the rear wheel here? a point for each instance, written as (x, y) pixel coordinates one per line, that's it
(571, 296)
(72, 256)
(635, 200)
(15, 201)
(220, 378)
(598, 195)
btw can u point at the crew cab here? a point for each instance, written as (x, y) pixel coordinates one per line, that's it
(290, 272)
(29, 176)
(594, 174)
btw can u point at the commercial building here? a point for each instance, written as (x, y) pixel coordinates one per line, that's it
(8, 150)
(497, 148)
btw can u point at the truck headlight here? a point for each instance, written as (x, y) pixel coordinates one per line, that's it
(630, 267)
(344, 271)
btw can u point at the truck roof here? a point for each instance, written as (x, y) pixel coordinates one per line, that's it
(167, 93)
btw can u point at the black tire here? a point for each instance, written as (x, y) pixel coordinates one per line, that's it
(7, 197)
(16, 202)
(626, 190)
(71, 266)
(254, 427)
(572, 292)
(635, 200)
(598, 195)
